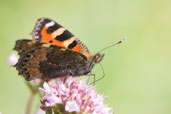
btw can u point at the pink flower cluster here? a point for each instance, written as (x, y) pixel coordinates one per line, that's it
(12, 59)
(75, 96)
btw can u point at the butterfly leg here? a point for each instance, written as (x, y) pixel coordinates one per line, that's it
(88, 80)
(95, 75)
(65, 78)
(101, 76)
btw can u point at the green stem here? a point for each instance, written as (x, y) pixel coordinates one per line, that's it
(34, 91)
(30, 100)
(29, 104)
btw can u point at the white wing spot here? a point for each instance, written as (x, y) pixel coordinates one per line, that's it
(37, 28)
(37, 37)
(50, 24)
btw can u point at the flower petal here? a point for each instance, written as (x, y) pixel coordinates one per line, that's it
(72, 106)
(12, 59)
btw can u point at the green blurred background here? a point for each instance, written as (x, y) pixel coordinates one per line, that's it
(138, 71)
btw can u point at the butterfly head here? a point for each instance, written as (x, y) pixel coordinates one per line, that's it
(97, 58)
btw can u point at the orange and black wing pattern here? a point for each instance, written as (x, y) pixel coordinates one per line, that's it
(48, 31)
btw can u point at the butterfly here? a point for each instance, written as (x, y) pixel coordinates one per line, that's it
(53, 52)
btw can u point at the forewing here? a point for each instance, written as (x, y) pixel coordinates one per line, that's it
(48, 31)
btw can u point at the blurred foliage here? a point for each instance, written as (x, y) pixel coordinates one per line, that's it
(138, 76)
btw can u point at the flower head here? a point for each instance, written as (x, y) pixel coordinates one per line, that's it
(12, 59)
(75, 96)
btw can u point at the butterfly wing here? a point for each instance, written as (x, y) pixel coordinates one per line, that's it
(43, 61)
(48, 31)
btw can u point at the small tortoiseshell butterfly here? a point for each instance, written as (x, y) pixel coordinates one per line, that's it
(53, 52)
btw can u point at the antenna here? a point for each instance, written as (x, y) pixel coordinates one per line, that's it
(120, 41)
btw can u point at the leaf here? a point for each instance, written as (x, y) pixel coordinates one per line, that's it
(56, 112)
(48, 110)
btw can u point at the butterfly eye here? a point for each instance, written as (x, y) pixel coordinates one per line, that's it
(98, 57)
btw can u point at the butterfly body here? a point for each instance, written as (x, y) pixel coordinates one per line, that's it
(52, 53)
